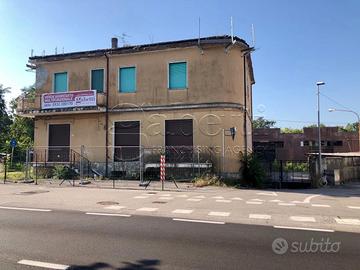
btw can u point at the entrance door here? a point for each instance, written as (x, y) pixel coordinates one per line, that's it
(179, 140)
(59, 143)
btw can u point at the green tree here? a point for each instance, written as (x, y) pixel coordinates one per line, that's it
(22, 128)
(5, 120)
(291, 130)
(261, 122)
(350, 127)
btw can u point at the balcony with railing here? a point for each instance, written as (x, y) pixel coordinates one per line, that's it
(57, 103)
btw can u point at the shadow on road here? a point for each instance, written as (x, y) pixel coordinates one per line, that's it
(144, 264)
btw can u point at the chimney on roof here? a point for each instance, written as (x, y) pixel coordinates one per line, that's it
(114, 43)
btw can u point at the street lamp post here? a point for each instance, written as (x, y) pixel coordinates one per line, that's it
(358, 118)
(319, 129)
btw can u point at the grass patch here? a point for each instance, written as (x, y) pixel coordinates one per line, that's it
(13, 176)
(208, 180)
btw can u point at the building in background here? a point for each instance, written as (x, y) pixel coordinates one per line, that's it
(271, 144)
(108, 105)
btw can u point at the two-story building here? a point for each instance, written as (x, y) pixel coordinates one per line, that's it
(113, 102)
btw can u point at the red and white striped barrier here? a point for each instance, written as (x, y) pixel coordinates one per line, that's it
(162, 168)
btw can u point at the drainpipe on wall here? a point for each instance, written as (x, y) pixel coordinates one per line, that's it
(245, 107)
(107, 117)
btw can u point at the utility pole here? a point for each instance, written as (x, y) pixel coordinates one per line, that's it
(319, 128)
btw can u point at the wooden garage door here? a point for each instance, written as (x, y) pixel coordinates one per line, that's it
(59, 143)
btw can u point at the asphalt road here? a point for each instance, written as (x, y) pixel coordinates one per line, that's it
(138, 242)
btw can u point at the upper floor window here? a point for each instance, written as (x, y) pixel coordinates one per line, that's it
(178, 75)
(97, 80)
(127, 79)
(60, 82)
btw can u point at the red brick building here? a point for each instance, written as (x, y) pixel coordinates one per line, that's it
(272, 144)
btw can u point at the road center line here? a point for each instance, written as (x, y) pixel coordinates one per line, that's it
(303, 229)
(25, 209)
(183, 211)
(199, 221)
(302, 219)
(354, 207)
(44, 264)
(107, 214)
(259, 216)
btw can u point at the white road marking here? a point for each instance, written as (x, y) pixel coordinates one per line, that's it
(147, 209)
(275, 201)
(25, 209)
(348, 221)
(183, 211)
(286, 204)
(354, 207)
(219, 214)
(267, 193)
(302, 219)
(320, 205)
(140, 197)
(223, 201)
(107, 214)
(166, 195)
(200, 197)
(115, 207)
(44, 264)
(257, 200)
(259, 216)
(308, 199)
(218, 197)
(304, 229)
(166, 198)
(199, 221)
(251, 202)
(237, 199)
(182, 196)
(194, 200)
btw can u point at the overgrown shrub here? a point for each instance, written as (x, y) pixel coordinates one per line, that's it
(207, 180)
(63, 172)
(253, 174)
(295, 167)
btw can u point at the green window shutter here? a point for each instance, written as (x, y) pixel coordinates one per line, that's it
(177, 75)
(60, 82)
(127, 77)
(97, 80)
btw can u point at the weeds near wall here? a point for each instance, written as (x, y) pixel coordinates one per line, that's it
(253, 174)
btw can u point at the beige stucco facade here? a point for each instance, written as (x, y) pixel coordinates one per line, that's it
(214, 99)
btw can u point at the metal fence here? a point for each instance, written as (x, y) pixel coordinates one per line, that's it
(282, 173)
(124, 163)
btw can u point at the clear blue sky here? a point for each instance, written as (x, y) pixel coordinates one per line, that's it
(298, 43)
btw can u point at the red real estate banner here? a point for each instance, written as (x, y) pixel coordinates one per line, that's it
(86, 98)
